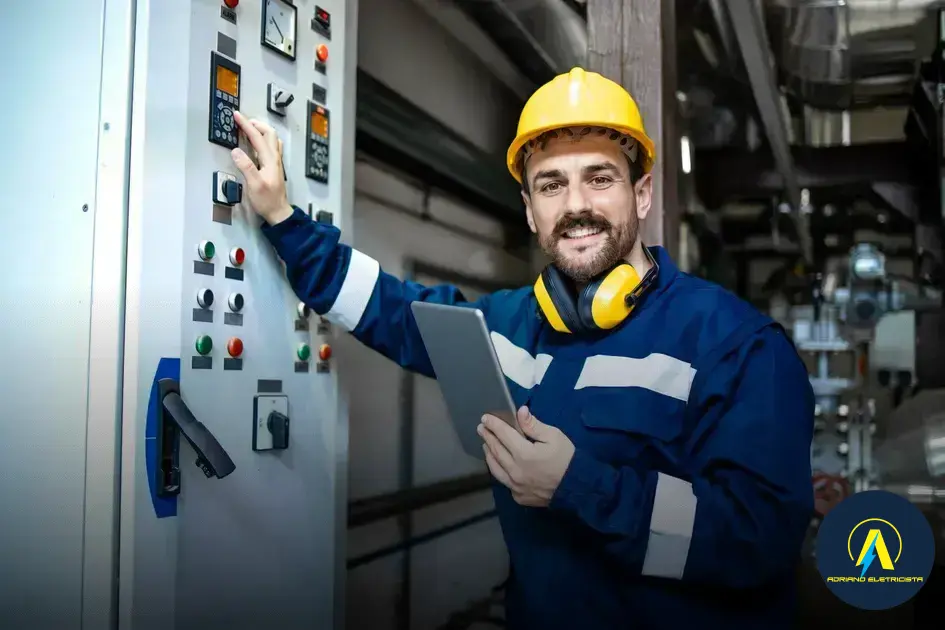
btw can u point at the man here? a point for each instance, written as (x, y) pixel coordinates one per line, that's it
(664, 477)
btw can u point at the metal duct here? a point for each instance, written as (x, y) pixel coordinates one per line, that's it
(845, 54)
(542, 37)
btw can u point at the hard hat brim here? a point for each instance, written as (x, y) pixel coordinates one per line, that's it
(649, 148)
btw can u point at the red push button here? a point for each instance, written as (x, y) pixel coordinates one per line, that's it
(324, 352)
(231, 3)
(321, 53)
(237, 256)
(235, 347)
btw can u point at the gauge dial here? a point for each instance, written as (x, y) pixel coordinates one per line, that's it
(279, 20)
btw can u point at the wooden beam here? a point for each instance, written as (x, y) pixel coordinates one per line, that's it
(633, 42)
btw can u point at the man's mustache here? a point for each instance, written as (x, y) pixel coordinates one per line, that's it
(584, 219)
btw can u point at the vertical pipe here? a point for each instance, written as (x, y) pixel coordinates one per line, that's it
(406, 480)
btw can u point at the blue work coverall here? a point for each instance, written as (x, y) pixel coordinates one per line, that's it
(689, 493)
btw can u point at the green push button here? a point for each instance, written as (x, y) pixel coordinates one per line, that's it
(304, 352)
(204, 344)
(207, 250)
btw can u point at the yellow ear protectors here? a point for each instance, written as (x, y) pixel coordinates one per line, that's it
(601, 305)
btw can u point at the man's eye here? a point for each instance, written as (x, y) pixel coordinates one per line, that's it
(600, 180)
(550, 187)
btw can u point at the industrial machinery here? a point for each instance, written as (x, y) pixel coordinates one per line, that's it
(181, 462)
(859, 336)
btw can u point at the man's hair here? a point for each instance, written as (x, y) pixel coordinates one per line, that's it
(636, 172)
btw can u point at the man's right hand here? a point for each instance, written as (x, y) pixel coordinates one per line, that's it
(265, 186)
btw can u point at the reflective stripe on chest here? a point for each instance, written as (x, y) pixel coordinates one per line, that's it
(656, 372)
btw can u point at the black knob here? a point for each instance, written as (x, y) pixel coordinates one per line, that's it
(232, 191)
(278, 425)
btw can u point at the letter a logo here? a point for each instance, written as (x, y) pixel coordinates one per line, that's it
(874, 546)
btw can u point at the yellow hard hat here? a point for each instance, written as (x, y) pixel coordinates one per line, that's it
(575, 99)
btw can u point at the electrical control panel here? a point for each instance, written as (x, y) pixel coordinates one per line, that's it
(211, 310)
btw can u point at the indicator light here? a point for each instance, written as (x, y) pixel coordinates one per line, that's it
(303, 310)
(205, 298)
(236, 302)
(237, 256)
(304, 352)
(324, 352)
(204, 345)
(234, 347)
(321, 53)
(206, 250)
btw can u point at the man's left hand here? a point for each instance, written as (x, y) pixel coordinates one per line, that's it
(531, 470)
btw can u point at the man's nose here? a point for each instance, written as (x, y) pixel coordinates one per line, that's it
(577, 201)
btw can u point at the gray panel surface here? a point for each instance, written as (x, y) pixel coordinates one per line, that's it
(268, 529)
(45, 302)
(259, 548)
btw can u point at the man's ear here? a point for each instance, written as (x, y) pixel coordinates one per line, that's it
(528, 212)
(643, 190)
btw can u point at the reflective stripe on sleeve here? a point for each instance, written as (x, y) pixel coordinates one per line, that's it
(671, 525)
(356, 290)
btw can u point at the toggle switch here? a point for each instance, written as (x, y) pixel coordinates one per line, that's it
(205, 298)
(236, 302)
(303, 310)
(227, 191)
(206, 250)
(324, 352)
(234, 347)
(277, 99)
(237, 256)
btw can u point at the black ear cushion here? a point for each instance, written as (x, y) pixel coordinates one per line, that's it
(563, 296)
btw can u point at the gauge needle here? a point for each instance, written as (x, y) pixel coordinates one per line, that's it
(273, 20)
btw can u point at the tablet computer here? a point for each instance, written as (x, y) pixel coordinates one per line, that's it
(467, 368)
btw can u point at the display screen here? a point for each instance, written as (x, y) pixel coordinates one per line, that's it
(319, 122)
(228, 81)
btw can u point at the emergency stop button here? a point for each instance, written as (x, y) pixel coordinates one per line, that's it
(321, 53)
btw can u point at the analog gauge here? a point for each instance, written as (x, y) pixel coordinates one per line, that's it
(279, 20)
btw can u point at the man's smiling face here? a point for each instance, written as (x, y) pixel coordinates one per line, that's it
(582, 204)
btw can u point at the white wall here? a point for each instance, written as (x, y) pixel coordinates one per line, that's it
(400, 45)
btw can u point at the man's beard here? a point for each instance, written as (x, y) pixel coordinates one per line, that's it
(618, 243)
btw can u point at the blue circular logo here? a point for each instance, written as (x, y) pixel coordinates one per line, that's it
(875, 550)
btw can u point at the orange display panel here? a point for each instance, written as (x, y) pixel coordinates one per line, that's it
(228, 81)
(319, 123)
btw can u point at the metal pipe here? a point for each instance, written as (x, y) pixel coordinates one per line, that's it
(374, 509)
(419, 540)
(750, 33)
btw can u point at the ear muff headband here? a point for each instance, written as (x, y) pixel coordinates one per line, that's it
(602, 304)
